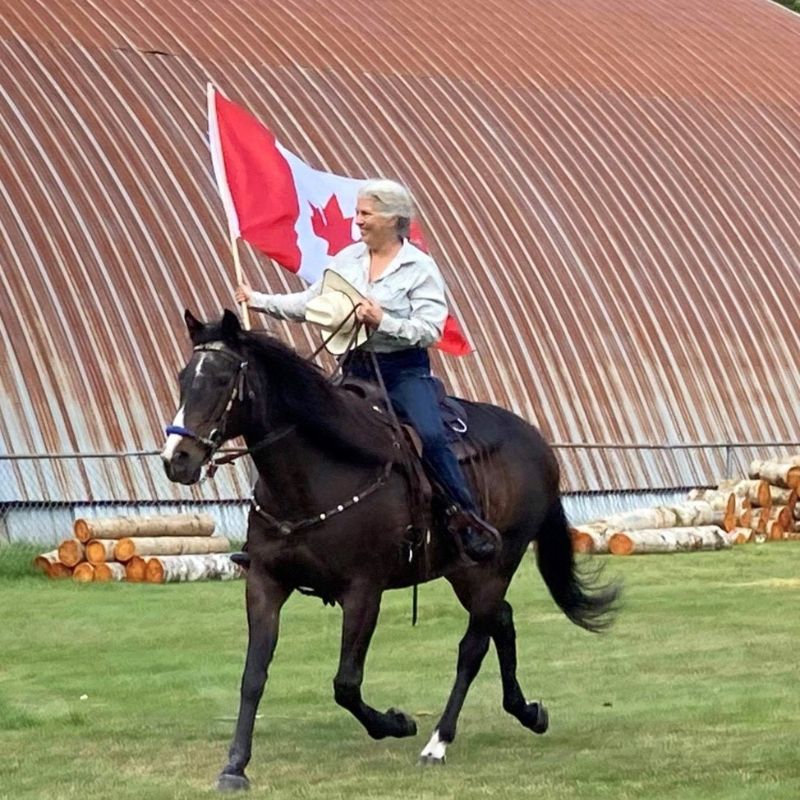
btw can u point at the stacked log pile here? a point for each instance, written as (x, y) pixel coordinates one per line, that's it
(147, 549)
(760, 508)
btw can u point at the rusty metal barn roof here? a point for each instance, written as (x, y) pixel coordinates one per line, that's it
(611, 187)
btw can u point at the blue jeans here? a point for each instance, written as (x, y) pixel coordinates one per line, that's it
(407, 376)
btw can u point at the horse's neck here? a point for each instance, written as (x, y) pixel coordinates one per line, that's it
(309, 464)
(296, 475)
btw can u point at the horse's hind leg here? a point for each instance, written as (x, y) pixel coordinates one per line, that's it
(532, 715)
(360, 613)
(265, 597)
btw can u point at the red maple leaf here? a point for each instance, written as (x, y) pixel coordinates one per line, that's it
(331, 225)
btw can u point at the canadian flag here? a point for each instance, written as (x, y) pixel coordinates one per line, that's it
(296, 215)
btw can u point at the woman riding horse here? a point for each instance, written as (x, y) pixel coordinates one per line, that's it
(330, 513)
(399, 295)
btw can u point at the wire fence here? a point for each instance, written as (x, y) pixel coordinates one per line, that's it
(42, 494)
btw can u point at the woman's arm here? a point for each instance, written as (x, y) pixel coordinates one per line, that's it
(428, 312)
(281, 306)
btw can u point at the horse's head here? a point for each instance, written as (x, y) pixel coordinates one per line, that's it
(212, 386)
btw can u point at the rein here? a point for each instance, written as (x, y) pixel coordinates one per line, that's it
(353, 339)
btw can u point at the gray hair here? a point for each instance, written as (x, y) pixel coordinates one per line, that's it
(391, 199)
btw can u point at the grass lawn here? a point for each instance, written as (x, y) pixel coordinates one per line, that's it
(695, 693)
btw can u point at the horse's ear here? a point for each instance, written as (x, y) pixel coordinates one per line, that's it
(193, 325)
(230, 324)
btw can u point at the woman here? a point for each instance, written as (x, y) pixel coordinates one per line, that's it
(405, 308)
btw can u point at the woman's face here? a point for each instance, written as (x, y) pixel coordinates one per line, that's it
(376, 229)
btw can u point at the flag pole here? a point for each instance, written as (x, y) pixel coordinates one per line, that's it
(237, 263)
(218, 165)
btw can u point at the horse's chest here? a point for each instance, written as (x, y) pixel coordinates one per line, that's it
(297, 565)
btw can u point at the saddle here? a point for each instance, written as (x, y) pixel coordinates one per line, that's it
(429, 507)
(454, 416)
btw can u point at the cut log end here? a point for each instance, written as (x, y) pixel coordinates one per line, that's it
(741, 535)
(125, 549)
(82, 530)
(620, 544)
(581, 542)
(70, 552)
(98, 551)
(591, 538)
(42, 562)
(59, 570)
(135, 570)
(154, 572)
(775, 531)
(109, 571)
(83, 573)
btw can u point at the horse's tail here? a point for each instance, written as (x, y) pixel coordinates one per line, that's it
(578, 592)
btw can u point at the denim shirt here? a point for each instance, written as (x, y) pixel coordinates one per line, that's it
(410, 290)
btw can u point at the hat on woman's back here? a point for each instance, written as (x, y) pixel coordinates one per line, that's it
(333, 309)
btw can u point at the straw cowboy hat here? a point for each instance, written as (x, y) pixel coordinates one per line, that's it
(333, 309)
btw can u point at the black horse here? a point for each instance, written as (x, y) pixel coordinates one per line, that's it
(331, 513)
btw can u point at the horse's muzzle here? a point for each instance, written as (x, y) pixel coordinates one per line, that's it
(182, 468)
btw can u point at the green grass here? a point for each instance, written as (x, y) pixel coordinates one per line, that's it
(16, 561)
(694, 693)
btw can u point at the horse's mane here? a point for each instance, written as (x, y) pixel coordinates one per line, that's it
(332, 418)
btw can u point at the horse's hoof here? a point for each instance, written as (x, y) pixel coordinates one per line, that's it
(402, 724)
(232, 783)
(430, 761)
(541, 719)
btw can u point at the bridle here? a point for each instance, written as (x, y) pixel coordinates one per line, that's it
(236, 391)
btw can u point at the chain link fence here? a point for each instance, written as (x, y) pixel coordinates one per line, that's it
(41, 495)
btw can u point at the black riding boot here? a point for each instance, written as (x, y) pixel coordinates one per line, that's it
(242, 558)
(478, 537)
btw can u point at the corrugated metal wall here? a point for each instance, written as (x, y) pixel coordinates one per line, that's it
(612, 189)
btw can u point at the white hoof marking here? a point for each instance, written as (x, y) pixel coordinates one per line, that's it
(435, 749)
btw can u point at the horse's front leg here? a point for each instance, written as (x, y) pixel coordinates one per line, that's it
(265, 598)
(360, 608)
